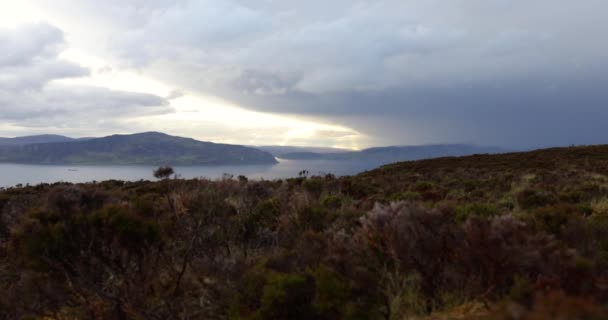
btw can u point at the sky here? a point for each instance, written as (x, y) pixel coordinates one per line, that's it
(340, 73)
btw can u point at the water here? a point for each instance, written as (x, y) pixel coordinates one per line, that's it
(13, 174)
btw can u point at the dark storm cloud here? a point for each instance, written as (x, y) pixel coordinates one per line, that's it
(516, 73)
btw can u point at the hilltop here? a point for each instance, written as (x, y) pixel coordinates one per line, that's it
(149, 148)
(43, 138)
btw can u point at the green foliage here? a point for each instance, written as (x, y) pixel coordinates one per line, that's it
(131, 230)
(482, 210)
(532, 198)
(265, 214)
(318, 293)
(407, 300)
(423, 186)
(287, 296)
(314, 217)
(405, 196)
(332, 202)
(332, 294)
(45, 236)
(553, 218)
(145, 206)
(49, 239)
(314, 185)
(522, 290)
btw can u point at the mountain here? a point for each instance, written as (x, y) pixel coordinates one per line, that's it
(43, 138)
(278, 151)
(149, 148)
(395, 153)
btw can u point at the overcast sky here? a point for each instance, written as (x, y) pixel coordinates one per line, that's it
(328, 73)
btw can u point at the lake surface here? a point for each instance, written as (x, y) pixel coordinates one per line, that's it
(13, 174)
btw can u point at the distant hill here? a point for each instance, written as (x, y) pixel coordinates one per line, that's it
(278, 151)
(150, 148)
(43, 138)
(396, 153)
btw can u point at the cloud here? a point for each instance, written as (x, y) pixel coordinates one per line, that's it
(30, 95)
(494, 72)
(26, 44)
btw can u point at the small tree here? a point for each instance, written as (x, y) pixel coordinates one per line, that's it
(163, 172)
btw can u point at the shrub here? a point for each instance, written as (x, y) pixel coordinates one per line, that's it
(532, 198)
(314, 185)
(482, 210)
(287, 296)
(314, 217)
(600, 207)
(405, 196)
(332, 202)
(332, 294)
(132, 231)
(163, 172)
(423, 186)
(553, 218)
(551, 305)
(410, 239)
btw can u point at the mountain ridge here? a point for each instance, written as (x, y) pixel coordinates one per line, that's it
(146, 148)
(152, 147)
(33, 139)
(390, 154)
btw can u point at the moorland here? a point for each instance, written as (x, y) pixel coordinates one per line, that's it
(508, 236)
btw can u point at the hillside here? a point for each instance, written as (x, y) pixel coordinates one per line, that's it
(149, 148)
(44, 138)
(280, 150)
(393, 153)
(459, 174)
(510, 236)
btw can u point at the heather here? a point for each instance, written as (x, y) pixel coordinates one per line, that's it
(511, 236)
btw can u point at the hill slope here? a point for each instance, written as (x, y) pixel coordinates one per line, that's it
(497, 178)
(150, 148)
(43, 138)
(278, 151)
(394, 153)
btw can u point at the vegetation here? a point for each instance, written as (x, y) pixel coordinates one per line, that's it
(163, 172)
(512, 236)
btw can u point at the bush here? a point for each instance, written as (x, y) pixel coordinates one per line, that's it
(531, 198)
(482, 210)
(314, 217)
(314, 185)
(287, 296)
(132, 231)
(332, 202)
(550, 305)
(332, 294)
(163, 172)
(405, 196)
(553, 218)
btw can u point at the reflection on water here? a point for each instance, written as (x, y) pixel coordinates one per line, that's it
(13, 174)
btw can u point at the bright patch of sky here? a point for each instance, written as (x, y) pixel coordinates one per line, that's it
(196, 115)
